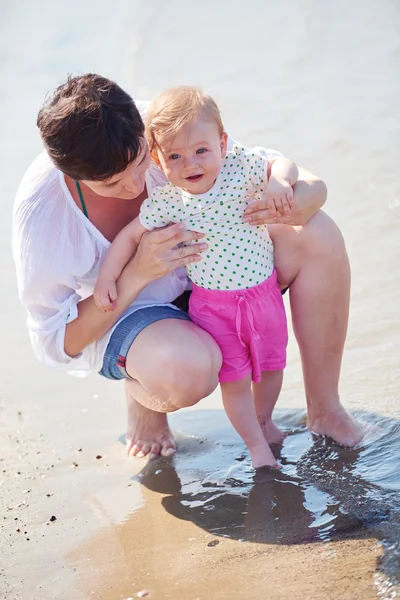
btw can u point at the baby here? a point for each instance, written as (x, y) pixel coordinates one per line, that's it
(235, 297)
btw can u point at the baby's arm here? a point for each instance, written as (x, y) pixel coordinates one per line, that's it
(283, 169)
(121, 250)
(282, 175)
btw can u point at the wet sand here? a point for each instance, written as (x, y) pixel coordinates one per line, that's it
(113, 537)
(329, 99)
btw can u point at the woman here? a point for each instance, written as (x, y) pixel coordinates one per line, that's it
(73, 201)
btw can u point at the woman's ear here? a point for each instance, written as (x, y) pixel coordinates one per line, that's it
(224, 144)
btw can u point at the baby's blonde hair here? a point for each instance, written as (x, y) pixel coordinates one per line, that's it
(175, 108)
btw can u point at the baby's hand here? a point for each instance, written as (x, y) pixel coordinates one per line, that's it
(105, 295)
(279, 196)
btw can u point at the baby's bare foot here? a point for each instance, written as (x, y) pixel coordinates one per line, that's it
(272, 433)
(261, 456)
(338, 425)
(148, 433)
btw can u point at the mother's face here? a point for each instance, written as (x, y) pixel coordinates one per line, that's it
(126, 185)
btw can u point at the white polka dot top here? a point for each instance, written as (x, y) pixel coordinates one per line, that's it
(239, 256)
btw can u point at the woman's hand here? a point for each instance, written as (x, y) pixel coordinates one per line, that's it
(309, 196)
(158, 254)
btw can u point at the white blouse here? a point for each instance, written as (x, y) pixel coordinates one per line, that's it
(58, 253)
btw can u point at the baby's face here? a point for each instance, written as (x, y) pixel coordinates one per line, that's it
(192, 159)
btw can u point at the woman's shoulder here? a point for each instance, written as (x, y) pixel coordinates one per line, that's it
(33, 214)
(42, 213)
(47, 233)
(38, 183)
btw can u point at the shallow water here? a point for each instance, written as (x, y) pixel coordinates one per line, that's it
(324, 492)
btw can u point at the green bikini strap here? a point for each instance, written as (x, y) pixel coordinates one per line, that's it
(78, 187)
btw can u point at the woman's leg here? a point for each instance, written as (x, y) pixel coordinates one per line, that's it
(173, 364)
(312, 260)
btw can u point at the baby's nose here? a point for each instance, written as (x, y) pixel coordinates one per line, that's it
(190, 162)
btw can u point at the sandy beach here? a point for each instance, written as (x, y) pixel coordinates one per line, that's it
(79, 524)
(320, 82)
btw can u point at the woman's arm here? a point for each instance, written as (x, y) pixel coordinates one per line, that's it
(310, 194)
(156, 256)
(91, 324)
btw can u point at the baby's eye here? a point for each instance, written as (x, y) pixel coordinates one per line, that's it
(174, 156)
(201, 150)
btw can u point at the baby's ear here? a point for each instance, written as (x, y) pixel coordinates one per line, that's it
(224, 144)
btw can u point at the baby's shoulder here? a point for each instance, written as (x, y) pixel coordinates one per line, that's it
(236, 153)
(167, 193)
(239, 156)
(239, 161)
(165, 200)
(243, 154)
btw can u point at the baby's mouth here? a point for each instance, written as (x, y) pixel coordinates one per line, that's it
(193, 178)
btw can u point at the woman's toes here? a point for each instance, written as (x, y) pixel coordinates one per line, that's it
(135, 449)
(155, 450)
(168, 449)
(129, 446)
(146, 447)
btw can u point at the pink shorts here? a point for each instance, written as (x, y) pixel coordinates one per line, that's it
(248, 325)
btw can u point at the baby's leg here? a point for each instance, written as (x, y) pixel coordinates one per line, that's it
(265, 394)
(239, 406)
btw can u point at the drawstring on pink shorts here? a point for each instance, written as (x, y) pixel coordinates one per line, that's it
(249, 326)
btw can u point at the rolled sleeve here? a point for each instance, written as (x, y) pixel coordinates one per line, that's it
(47, 329)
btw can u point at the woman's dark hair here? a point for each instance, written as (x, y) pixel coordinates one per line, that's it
(91, 128)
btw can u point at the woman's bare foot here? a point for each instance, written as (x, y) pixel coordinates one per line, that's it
(261, 456)
(338, 425)
(272, 433)
(148, 433)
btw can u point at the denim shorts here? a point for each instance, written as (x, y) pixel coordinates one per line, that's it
(125, 333)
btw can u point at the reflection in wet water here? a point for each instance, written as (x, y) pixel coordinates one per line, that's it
(366, 481)
(324, 492)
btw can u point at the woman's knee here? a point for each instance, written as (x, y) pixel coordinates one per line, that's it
(185, 376)
(321, 238)
(180, 370)
(318, 243)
